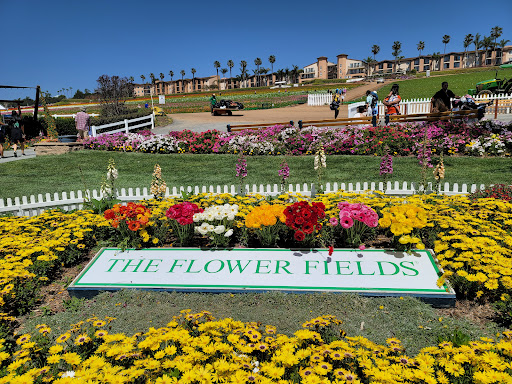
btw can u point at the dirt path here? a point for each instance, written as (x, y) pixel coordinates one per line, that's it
(203, 121)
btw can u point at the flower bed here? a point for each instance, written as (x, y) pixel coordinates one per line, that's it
(196, 348)
(470, 235)
(485, 138)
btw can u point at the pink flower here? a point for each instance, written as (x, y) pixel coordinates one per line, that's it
(362, 247)
(346, 221)
(333, 221)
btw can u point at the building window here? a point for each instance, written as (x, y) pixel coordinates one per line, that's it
(417, 62)
(456, 64)
(417, 68)
(446, 65)
(456, 58)
(488, 61)
(426, 67)
(381, 66)
(426, 61)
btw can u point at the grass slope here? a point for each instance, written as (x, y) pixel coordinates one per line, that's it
(59, 173)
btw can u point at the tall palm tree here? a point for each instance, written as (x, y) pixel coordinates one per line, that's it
(257, 63)
(224, 71)
(161, 76)
(272, 60)
(468, 40)
(243, 69)
(143, 78)
(420, 46)
(230, 65)
(280, 74)
(397, 50)
(478, 43)
(182, 72)
(495, 33)
(171, 74)
(131, 79)
(193, 70)
(216, 65)
(375, 50)
(446, 40)
(152, 77)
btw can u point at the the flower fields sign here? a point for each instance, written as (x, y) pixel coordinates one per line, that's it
(369, 272)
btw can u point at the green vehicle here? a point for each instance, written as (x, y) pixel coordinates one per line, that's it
(493, 86)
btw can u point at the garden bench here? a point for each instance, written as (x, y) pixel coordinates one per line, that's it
(365, 120)
(242, 127)
(448, 115)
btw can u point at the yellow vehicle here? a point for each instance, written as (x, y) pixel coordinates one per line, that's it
(158, 111)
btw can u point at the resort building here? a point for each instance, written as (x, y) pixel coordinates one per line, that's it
(344, 68)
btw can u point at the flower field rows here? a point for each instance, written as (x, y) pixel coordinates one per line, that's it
(473, 139)
(471, 237)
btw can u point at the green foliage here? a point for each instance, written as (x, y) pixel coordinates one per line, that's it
(504, 311)
(64, 125)
(457, 337)
(73, 304)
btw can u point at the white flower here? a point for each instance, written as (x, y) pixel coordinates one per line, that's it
(228, 233)
(219, 229)
(68, 374)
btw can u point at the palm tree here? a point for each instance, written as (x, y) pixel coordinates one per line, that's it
(487, 44)
(193, 70)
(495, 33)
(420, 46)
(397, 50)
(152, 77)
(257, 63)
(468, 39)
(224, 71)
(446, 40)
(230, 65)
(478, 43)
(436, 57)
(216, 65)
(375, 50)
(502, 45)
(161, 76)
(272, 60)
(280, 73)
(243, 69)
(143, 78)
(131, 79)
(368, 61)
(182, 72)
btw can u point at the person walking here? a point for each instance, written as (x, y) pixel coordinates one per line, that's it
(335, 103)
(17, 133)
(82, 123)
(371, 105)
(213, 101)
(392, 102)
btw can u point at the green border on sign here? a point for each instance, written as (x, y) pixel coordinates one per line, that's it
(76, 283)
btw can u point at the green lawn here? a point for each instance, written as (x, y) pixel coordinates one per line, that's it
(48, 174)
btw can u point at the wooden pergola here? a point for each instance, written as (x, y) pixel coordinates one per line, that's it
(18, 101)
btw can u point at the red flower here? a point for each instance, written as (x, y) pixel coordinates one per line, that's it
(331, 250)
(133, 226)
(308, 228)
(299, 236)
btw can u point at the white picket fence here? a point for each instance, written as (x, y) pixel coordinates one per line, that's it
(149, 121)
(32, 205)
(407, 107)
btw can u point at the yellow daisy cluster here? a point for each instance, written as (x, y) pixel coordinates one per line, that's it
(33, 247)
(197, 348)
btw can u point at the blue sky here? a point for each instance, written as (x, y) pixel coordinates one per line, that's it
(61, 44)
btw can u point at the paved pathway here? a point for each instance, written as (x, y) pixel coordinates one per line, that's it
(9, 155)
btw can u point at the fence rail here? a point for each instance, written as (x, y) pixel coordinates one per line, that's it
(125, 124)
(502, 104)
(35, 205)
(74, 115)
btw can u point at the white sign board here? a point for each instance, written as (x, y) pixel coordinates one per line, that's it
(375, 272)
(161, 99)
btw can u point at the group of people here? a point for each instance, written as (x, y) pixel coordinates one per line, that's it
(15, 130)
(440, 102)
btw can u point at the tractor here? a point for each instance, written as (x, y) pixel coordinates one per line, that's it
(493, 86)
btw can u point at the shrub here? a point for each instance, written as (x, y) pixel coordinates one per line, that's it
(498, 191)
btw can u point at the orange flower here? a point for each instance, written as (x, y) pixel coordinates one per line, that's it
(133, 226)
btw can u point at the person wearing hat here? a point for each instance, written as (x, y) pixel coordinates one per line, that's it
(82, 123)
(213, 101)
